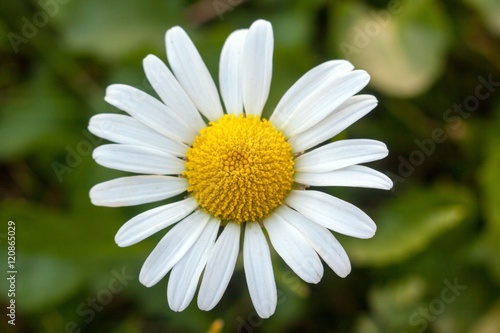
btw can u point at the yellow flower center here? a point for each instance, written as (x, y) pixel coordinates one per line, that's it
(239, 168)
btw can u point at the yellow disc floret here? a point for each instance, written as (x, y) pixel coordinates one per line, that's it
(239, 168)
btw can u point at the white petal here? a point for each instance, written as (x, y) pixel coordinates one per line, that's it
(192, 74)
(220, 267)
(138, 159)
(172, 247)
(345, 115)
(332, 213)
(340, 154)
(136, 190)
(154, 220)
(306, 86)
(354, 175)
(149, 111)
(171, 92)
(325, 100)
(257, 66)
(126, 130)
(230, 71)
(320, 239)
(184, 277)
(294, 249)
(259, 270)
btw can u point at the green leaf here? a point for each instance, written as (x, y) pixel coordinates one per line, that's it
(112, 29)
(489, 10)
(40, 120)
(394, 303)
(403, 46)
(489, 322)
(410, 223)
(488, 248)
(85, 236)
(487, 251)
(365, 324)
(42, 281)
(489, 179)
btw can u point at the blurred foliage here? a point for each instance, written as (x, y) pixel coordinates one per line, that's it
(405, 40)
(434, 264)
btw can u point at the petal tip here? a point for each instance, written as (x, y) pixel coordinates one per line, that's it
(389, 184)
(120, 239)
(146, 280)
(344, 274)
(174, 33)
(261, 23)
(265, 311)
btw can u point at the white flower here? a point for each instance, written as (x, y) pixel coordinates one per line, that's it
(240, 171)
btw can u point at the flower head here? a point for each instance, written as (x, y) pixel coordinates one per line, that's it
(238, 171)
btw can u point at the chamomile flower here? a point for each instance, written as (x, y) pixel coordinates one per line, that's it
(243, 177)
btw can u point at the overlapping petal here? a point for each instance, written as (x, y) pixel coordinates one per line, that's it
(332, 213)
(186, 273)
(308, 85)
(150, 112)
(172, 247)
(151, 221)
(320, 239)
(338, 120)
(294, 249)
(324, 100)
(127, 130)
(192, 74)
(171, 92)
(220, 267)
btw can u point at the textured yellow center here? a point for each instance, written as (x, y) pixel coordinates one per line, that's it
(239, 168)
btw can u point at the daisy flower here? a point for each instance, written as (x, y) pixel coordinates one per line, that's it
(244, 178)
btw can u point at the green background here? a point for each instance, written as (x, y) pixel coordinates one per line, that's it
(429, 61)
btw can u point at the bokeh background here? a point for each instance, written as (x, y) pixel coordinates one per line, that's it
(434, 264)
